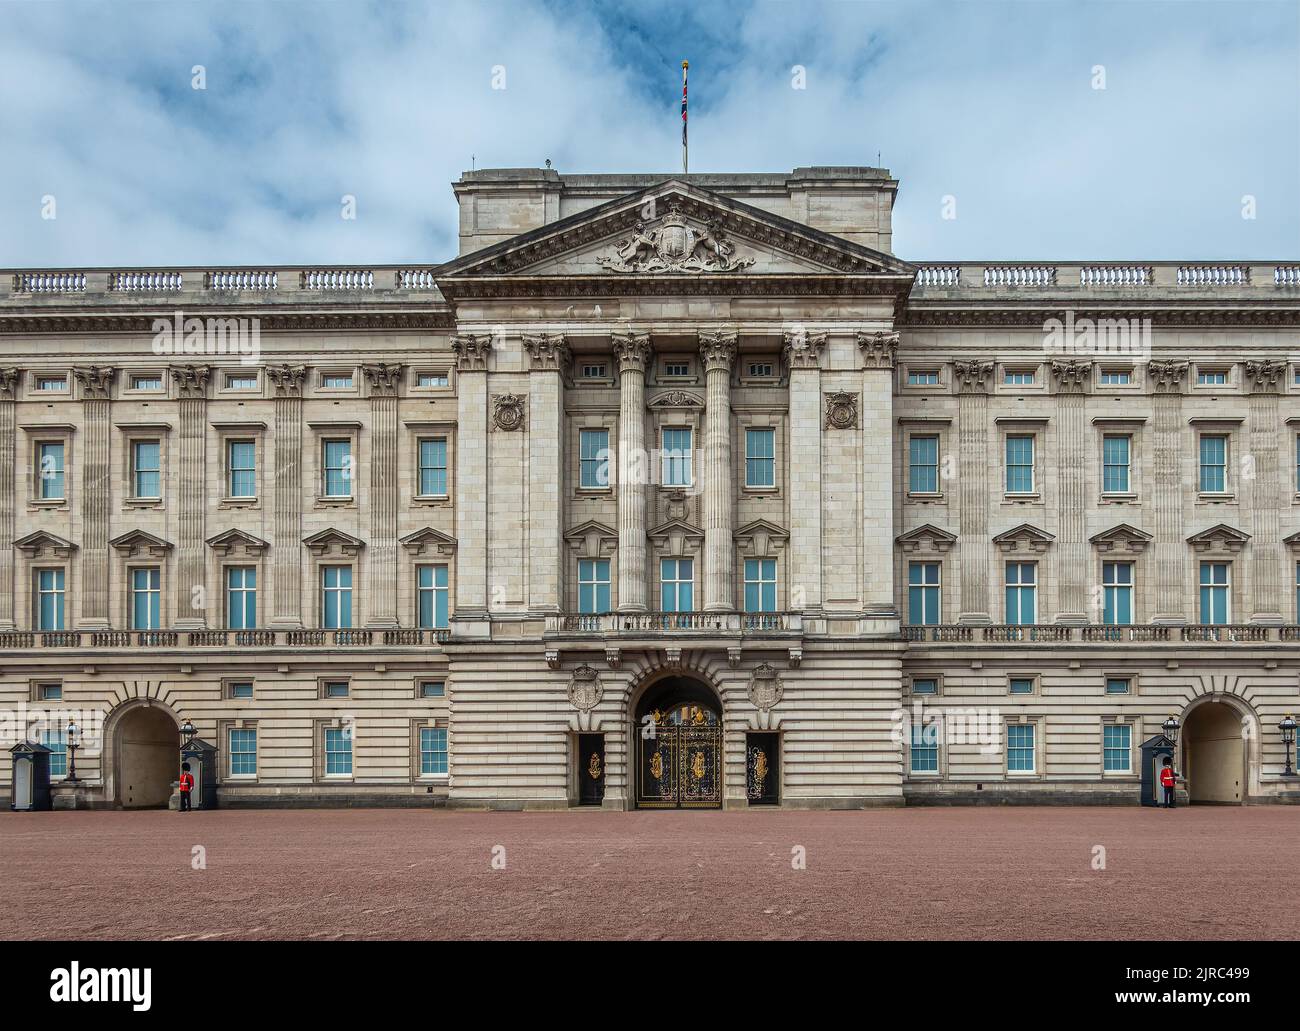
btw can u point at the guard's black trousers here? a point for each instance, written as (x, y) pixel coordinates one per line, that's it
(1169, 798)
(185, 801)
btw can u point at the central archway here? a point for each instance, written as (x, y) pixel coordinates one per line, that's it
(146, 757)
(1214, 754)
(678, 746)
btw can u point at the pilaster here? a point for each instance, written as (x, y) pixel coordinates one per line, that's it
(718, 351)
(973, 544)
(384, 381)
(9, 379)
(632, 351)
(803, 354)
(1168, 489)
(191, 382)
(1262, 494)
(1072, 378)
(879, 350)
(286, 544)
(548, 358)
(473, 410)
(96, 384)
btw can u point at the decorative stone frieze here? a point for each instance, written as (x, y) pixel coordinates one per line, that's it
(673, 244)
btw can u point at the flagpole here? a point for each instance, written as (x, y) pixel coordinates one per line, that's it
(685, 151)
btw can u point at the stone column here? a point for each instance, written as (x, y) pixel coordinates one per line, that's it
(1262, 497)
(718, 351)
(9, 379)
(803, 352)
(381, 550)
(549, 357)
(1072, 565)
(632, 350)
(1168, 491)
(286, 543)
(878, 353)
(191, 383)
(96, 494)
(973, 545)
(471, 479)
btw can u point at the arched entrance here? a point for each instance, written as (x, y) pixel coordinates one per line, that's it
(146, 757)
(678, 746)
(1214, 754)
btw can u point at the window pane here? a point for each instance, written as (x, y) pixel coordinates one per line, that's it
(923, 466)
(760, 457)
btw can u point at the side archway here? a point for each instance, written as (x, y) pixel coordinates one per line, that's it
(142, 746)
(1219, 750)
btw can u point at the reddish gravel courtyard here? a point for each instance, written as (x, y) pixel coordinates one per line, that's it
(907, 873)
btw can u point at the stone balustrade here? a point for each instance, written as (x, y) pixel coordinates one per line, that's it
(676, 623)
(1066, 278)
(26, 640)
(1248, 633)
(146, 282)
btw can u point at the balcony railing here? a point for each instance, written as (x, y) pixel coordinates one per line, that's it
(1101, 634)
(26, 640)
(676, 623)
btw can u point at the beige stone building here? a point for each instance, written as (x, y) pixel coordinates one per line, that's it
(667, 491)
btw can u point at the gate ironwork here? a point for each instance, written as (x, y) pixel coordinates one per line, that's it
(681, 764)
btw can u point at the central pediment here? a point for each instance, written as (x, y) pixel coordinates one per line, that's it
(676, 231)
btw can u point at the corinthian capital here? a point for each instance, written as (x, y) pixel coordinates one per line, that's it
(973, 376)
(632, 351)
(879, 349)
(1072, 376)
(9, 383)
(96, 381)
(803, 350)
(384, 379)
(548, 352)
(472, 350)
(191, 380)
(1265, 375)
(718, 350)
(287, 379)
(1166, 375)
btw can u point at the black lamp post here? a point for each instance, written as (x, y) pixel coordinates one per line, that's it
(1170, 727)
(74, 742)
(187, 728)
(1287, 726)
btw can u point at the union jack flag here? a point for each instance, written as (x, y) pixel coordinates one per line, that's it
(683, 103)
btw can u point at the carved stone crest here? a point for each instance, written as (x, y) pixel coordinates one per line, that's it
(585, 689)
(765, 688)
(672, 244)
(841, 410)
(508, 412)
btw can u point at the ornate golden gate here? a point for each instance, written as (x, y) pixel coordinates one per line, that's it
(681, 758)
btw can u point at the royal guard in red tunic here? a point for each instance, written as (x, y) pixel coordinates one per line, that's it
(1167, 784)
(186, 785)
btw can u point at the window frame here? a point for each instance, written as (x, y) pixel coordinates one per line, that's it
(61, 596)
(1035, 748)
(756, 432)
(1007, 464)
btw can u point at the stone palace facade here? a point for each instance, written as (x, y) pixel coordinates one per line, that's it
(666, 492)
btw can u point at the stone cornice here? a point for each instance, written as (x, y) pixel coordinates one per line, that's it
(134, 322)
(733, 285)
(1259, 314)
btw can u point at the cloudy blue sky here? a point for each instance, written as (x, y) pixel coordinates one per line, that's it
(990, 103)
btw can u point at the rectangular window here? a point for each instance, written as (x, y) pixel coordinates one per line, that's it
(1214, 593)
(433, 689)
(1020, 748)
(433, 467)
(49, 458)
(1115, 378)
(336, 597)
(594, 370)
(338, 752)
(1118, 685)
(925, 685)
(241, 689)
(677, 369)
(433, 751)
(146, 469)
(1214, 464)
(1020, 465)
(593, 586)
(1211, 377)
(923, 378)
(760, 585)
(923, 465)
(146, 383)
(1021, 588)
(336, 689)
(51, 383)
(241, 467)
(677, 585)
(760, 457)
(593, 458)
(432, 590)
(50, 692)
(336, 380)
(241, 382)
(337, 468)
(241, 597)
(1115, 450)
(925, 748)
(146, 598)
(677, 458)
(760, 370)
(1116, 748)
(243, 753)
(49, 599)
(923, 608)
(1020, 685)
(1117, 588)
(432, 379)
(57, 743)
(1018, 378)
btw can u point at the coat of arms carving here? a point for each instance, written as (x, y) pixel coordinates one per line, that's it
(765, 688)
(508, 411)
(841, 410)
(585, 689)
(674, 245)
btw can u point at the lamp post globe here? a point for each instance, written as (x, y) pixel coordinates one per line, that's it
(1170, 727)
(73, 735)
(187, 728)
(1287, 727)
